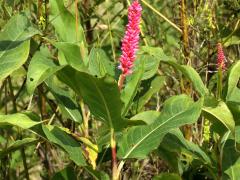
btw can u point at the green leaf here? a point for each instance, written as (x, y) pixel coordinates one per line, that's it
(14, 44)
(174, 141)
(17, 145)
(233, 92)
(64, 23)
(72, 55)
(137, 142)
(150, 65)
(171, 158)
(68, 106)
(156, 84)
(232, 39)
(151, 57)
(97, 175)
(100, 94)
(65, 174)
(167, 176)
(40, 68)
(188, 71)
(12, 59)
(23, 120)
(130, 90)
(70, 145)
(231, 160)
(192, 75)
(147, 116)
(233, 171)
(237, 134)
(156, 52)
(218, 110)
(17, 30)
(100, 64)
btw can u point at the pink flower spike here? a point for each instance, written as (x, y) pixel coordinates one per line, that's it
(131, 38)
(220, 57)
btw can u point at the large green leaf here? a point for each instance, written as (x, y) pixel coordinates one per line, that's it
(218, 110)
(174, 141)
(233, 92)
(41, 67)
(23, 120)
(12, 59)
(17, 30)
(231, 160)
(130, 90)
(17, 145)
(150, 65)
(192, 75)
(188, 71)
(14, 44)
(147, 116)
(65, 26)
(100, 64)
(72, 55)
(65, 174)
(100, 94)
(137, 142)
(68, 106)
(151, 57)
(70, 145)
(155, 85)
(156, 52)
(97, 175)
(64, 23)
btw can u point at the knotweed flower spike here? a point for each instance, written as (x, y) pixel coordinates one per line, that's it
(220, 57)
(131, 39)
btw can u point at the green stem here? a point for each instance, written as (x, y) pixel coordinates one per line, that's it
(219, 83)
(85, 119)
(20, 132)
(25, 164)
(162, 16)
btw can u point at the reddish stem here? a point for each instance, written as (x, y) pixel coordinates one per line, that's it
(114, 155)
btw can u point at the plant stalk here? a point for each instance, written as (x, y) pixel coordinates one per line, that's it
(85, 119)
(12, 95)
(25, 164)
(76, 19)
(20, 132)
(114, 156)
(219, 84)
(121, 81)
(184, 25)
(162, 16)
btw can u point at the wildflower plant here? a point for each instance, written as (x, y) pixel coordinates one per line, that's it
(66, 112)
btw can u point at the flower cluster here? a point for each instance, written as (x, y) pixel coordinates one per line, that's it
(220, 57)
(131, 39)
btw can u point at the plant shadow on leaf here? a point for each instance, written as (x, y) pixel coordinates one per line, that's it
(7, 45)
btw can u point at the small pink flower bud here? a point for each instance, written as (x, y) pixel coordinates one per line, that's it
(131, 39)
